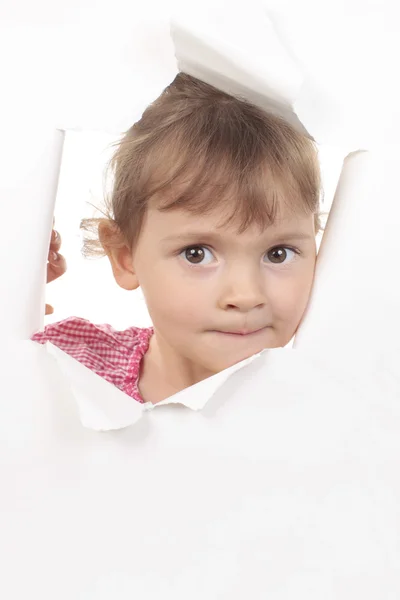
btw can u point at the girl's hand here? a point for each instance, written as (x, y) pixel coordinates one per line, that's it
(56, 265)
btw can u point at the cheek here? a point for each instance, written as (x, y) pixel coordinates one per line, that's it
(173, 302)
(292, 297)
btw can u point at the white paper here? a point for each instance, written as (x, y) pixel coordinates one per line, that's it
(277, 57)
(127, 64)
(288, 488)
(31, 162)
(341, 87)
(101, 405)
(354, 306)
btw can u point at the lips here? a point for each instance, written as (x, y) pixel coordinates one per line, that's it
(242, 332)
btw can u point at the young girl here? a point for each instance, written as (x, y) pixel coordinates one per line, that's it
(213, 213)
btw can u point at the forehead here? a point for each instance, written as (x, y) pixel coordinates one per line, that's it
(180, 224)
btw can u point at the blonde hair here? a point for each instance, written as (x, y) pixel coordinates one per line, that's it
(199, 149)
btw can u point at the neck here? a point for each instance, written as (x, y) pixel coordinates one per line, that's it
(165, 374)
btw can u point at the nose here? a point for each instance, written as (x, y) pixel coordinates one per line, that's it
(242, 290)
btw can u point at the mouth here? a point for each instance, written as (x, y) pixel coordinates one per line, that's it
(243, 333)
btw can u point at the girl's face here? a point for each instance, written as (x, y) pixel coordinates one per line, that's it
(204, 287)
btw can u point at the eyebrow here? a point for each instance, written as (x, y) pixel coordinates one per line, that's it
(292, 236)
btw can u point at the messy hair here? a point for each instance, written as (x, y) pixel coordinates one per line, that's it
(199, 149)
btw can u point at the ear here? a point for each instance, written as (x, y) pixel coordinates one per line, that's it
(119, 255)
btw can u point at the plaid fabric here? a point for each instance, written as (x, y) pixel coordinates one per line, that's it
(114, 355)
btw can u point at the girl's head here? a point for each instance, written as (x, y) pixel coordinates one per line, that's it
(213, 213)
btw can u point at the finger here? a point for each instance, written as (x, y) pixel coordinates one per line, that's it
(56, 267)
(55, 242)
(49, 310)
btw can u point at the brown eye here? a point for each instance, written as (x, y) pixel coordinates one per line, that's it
(195, 254)
(277, 255)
